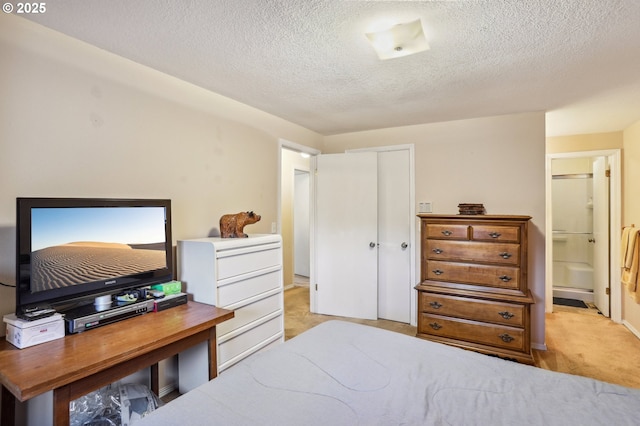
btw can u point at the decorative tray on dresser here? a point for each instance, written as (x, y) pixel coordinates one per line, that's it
(473, 291)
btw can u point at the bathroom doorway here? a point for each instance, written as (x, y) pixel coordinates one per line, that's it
(575, 248)
(583, 209)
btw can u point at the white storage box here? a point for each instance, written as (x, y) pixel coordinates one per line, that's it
(23, 334)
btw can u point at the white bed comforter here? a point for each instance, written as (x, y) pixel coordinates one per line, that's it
(341, 373)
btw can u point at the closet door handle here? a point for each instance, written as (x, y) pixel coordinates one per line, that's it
(404, 245)
(372, 244)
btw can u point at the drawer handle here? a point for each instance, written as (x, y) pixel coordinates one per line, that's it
(437, 250)
(506, 338)
(494, 234)
(446, 232)
(435, 325)
(506, 314)
(505, 255)
(438, 271)
(505, 278)
(435, 305)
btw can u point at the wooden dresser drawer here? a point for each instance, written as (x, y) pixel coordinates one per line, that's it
(447, 231)
(480, 310)
(468, 251)
(509, 234)
(472, 331)
(503, 277)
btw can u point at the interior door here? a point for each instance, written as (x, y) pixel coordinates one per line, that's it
(394, 236)
(601, 236)
(346, 235)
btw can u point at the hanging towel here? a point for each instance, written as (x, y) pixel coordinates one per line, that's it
(631, 263)
(627, 243)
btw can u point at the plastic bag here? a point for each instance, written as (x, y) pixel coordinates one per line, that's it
(113, 405)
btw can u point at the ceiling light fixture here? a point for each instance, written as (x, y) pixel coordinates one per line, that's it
(399, 40)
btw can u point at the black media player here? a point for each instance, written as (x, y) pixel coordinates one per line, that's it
(88, 317)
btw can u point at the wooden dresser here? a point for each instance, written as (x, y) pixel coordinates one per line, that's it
(473, 291)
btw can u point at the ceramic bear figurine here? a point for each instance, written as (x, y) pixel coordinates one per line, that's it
(232, 225)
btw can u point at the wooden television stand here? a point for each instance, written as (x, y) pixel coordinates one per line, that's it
(81, 363)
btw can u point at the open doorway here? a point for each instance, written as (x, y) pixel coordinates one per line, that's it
(295, 218)
(301, 227)
(583, 226)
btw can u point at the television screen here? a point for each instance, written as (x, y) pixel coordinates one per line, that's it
(82, 248)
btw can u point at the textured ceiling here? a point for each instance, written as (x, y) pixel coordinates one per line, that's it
(308, 61)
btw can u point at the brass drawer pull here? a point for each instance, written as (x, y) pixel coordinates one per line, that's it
(494, 234)
(435, 325)
(506, 338)
(446, 232)
(505, 255)
(438, 271)
(435, 305)
(437, 250)
(505, 278)
(506, 314)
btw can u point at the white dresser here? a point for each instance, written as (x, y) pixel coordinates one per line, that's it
(242, 274)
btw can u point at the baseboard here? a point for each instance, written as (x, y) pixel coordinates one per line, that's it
(539, 346)
(631, 328)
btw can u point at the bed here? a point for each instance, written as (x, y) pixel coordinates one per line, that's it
(341, 373)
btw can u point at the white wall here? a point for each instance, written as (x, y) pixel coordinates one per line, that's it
(498, 161)
(78, 121)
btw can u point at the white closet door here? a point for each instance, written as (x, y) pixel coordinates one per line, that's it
(394, 234)
(346, 235)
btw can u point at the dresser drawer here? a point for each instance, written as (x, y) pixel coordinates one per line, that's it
(509, 234)
(474, 309)
(242, 345)
(241, 261)
(503, 277)
(469, 251)
(472, 331)
(251, 312)
(234, 290)
(447, 231)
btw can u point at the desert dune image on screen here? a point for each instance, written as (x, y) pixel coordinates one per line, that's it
(72, 246)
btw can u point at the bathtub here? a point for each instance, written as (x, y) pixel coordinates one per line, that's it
(573, 280)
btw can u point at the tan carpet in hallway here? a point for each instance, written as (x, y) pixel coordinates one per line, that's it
(578, 341)
(297, 317)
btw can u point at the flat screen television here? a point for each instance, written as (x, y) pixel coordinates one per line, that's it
(72, 250)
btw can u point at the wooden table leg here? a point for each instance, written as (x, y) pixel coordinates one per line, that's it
(61, 400)
(8, 417)
(213, 353)
(155, 382)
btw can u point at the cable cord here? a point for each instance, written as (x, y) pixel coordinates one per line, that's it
(7, 285)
